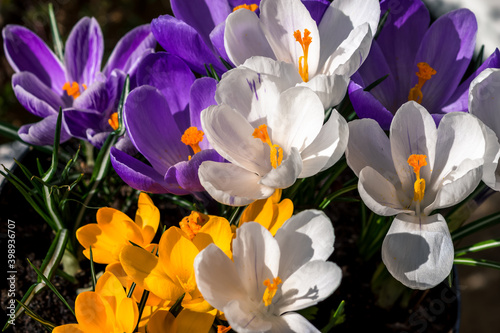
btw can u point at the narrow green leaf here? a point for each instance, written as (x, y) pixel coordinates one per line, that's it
(92, 270)
(141, 306)
(177, 307)
(131, 290)
(47, 177)
(376, 83)
(381, 23)
(334, 195)
(58, 45)
(226, 64)
(475, 226)
(477, 262)
(45, 323)
(488, 244)
(337, 318)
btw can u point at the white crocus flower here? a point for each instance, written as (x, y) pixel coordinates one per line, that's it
(270, 277)
(485, 104)
(270, 137)
(417, 170)
(325, 56)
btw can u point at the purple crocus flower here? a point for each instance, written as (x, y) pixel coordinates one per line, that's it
(43, 83)
(196, 33)
(162, 117)
(424, 63)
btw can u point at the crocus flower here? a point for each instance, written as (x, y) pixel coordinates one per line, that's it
(417, 170)
(163, 321)
(270, 137)
(325, 54)
(270, 277)
(106, 310)
(170, 274)
(43, 83)
(484, 104)
(162, 118)
(424, 64)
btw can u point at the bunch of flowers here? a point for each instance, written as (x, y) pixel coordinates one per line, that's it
(241, 125)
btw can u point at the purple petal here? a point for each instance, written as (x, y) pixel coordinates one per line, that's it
(125, 145)
(83, 51)
(26, 52)
(202, 95)
(202, 15)
(173, 184)
(316, 8)
(169, 74)
(367, 106)
(95, 97)
(460, 99)
(186, 173)
(97, 138)
(447, 47)
(35, 96)
(152, 128)
(400, 39)
(42, 133)
(178, 38)
(137, 174)
(130, 49)
(217, 40)
(77, 121)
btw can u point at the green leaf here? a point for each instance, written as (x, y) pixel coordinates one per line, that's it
(475, 226)
(45, 323)
(335, 194)
(477, 262)
(376, 83)
(92, 270)
(58, 45)
(381, 23)
(338, 317)
(177, 307)
(488, 244)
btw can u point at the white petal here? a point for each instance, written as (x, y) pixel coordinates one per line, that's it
(231, 185)
(232, 137)
(327, 148)
(413, 131)
(244, 38)
(311, 228)
(294, 323)
(368, 145)
(483, 98)
(309, 285)
(491, 168)
(256, 255)
(251, 94)
(286, 72)
(279, 20)
(350, 55)
(244, 317)
(330, 89)
(217, 278)
(380, 195)
(297, 120)
(286, 173)
(418, 251)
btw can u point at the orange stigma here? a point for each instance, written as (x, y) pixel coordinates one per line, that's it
(192, 224)
(271, 290)
(304, 42)
(276, 151)
(192, 137)
(113, 121)
(73, 89)
(417, 161)
(424, 74)
(252, 7)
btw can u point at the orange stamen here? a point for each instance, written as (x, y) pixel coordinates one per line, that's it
(192, 137)
(252, 7)
(223, 329)
(192, 224)
(304, 42)
(73, 89)
(276, 151)
(424, 74)
(113, 121)
(271, 290)
(418, 161)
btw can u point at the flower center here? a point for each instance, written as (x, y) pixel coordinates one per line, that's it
(252, 7)
(113, 121)
(304, 42)
(276, 151)
(192, 137)
(271, 290)
(192, 224)
(424, 74)
(187, 286)
(73, 89)
(417, 161)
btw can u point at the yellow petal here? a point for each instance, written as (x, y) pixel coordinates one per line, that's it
(260, 211)
(145, 270)
(191, 321)
(198, 304)
(163, 321)
(69, 328)
(92, 313)
(127, 315)
(147, 217)
(177, 254)
(119, 226)
(117, 270)
(111, 290)
(217, 230)
(285, 211)
(102, 244)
